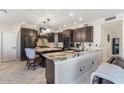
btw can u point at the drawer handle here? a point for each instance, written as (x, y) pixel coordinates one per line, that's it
(81, 69)
(92, 62)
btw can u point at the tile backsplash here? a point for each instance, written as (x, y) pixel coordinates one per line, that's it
(87, 45)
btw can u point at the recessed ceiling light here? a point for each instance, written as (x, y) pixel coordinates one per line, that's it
(75, 23)
(71, 14)
(64, 25)
(23, 23)
(35, 25)
(80, 19)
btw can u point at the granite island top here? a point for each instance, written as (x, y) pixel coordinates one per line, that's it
(65, 55)
(47, 49)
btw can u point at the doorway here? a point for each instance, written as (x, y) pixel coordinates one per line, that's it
(9, 46)
(110, 31)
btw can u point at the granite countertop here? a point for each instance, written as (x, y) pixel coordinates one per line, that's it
(64, 55)
(38, 49)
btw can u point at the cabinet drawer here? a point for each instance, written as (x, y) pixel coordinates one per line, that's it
(94, 60)
(71, 70)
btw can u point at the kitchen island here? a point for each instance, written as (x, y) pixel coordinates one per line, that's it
(43, 50)
(47, 49)
(67, 67)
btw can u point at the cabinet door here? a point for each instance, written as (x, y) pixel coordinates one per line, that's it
(95, 59)
(66, 33)
(60, 37)
(28, 32)
(69, 71)
(51, 37)
(77, 35)
(83, 34)
(89, 34)
(29, 42)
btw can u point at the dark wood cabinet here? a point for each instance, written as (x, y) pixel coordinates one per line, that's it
(84, 34)
(60, 37)
(68, 34)
(88, 31)
(77, 35)
(51, 37)
(28, 40)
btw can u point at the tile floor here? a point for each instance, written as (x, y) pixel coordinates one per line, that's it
(17, 73)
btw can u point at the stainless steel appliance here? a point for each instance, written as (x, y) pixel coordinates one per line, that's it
(66, 43)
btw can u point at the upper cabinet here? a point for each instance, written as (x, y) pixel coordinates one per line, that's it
(84, 34)
(60, 37)
(51, 37)
(89, 33)
(28, 40)
(68, 34)
(77, 35)
(28, 32)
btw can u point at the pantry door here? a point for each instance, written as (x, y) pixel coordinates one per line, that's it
(9, 46)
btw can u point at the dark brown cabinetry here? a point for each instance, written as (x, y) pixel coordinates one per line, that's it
(28, 40)
(84, 34)
(51, 37)
(88, 34)
(60, 37)
(77, 35)
(68, 34)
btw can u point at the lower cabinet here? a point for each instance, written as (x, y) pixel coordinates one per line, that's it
(70, 70)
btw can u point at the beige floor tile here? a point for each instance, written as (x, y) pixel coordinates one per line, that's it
(17, 73)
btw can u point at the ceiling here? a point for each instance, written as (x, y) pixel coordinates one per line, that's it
(59, 18)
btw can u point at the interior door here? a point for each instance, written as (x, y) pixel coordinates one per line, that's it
(9, 49)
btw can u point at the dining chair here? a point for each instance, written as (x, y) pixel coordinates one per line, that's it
(32, 57)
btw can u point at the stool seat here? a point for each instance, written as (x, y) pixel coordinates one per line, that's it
(32, 57)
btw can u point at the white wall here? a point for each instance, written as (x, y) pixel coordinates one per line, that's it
(117, 33)
(0, 46)
(123, 39)
(114, 32)
(98, 31)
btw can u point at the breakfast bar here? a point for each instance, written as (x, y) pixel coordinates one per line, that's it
(41, 51)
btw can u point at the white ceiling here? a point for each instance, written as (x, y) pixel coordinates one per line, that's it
(59, 17)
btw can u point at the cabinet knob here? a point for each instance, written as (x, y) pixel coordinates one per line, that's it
(92, 62)
(14, 47)
(81, 69)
